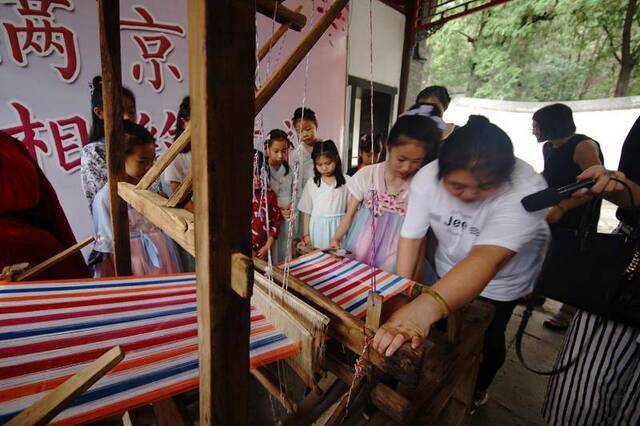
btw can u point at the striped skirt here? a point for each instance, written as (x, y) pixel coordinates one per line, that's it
(603, 386)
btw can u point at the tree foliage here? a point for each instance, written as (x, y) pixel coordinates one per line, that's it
(540, 50)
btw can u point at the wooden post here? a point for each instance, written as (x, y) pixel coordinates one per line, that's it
(411, 14)
(221, 76)
(109, 32)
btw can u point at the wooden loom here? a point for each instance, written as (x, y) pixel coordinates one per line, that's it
(223, 108)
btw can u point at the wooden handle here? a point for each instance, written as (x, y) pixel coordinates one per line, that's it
(55, 401)
(32, 272)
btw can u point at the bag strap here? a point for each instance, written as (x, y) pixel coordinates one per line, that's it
(523, 325)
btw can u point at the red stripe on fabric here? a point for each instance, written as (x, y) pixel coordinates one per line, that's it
(130, 403)
(310, 273)
(341, 279)
(61, 343)
(80, 314)
(88, 302)
(331, 294)
(88, 356)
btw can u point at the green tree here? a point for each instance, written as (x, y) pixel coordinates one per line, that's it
(539, 50)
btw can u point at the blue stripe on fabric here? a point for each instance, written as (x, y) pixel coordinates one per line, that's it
(125, 385)
(103, 285)
(145, 379)
(266, 341)
(337, 274)
(80, 326)
(304, 262)
(362, 301)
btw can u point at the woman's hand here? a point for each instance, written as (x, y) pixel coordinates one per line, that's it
(262, 253)
(605, 185)
(334, 244)
(555, 215)
(410, 323)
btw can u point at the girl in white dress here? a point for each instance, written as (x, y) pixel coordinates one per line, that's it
(324, 199)
(281, 181)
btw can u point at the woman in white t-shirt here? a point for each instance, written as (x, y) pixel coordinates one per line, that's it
(488, 245)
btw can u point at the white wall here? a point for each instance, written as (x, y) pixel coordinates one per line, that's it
(388, 36)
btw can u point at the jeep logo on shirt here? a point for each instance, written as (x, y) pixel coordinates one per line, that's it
(454, 223)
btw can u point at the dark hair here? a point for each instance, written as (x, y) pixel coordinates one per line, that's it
(367, 144)
(480, 147)
(327, 149)
(421, 128)
(278, 135)
(305, 114)
(135, 135)
(439, 92)
(97, 124)
(184, 114)
(555, 121)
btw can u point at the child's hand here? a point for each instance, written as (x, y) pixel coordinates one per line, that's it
(262, 253)
(305, 242)
(334, 244)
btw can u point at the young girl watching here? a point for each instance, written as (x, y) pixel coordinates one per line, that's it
(324, 199)
(266, 218)
(152, 252)
(281, 181)
(378, 193)
(306, 125)
(93, 160)
(369, 152)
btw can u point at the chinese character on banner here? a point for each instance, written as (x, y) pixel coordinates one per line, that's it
(69, 135)
(154, 48)
(164, 138)
(28, 131)
(38, 33)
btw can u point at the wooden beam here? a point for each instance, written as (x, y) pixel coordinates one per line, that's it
(404, 364)
(156, 170)
(221, 76)
(273, 40)
(283, 14)
(178, 224)
(278, 78)
(43, 266)
(411, 16)
(183, 193)
(390, 402)
(43, 411)
(109, 33)
(272, 386)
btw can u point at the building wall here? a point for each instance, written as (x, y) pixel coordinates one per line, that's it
(388, 37)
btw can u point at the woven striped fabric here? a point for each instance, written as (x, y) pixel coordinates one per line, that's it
(51, 330)
(347, 282)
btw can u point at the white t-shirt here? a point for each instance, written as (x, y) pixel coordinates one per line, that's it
(325, 199)
(178, 169)
(499, 220)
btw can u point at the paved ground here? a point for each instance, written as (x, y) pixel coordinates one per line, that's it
(516, 395)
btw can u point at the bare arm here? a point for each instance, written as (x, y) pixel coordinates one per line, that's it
(408, 256)
(346, 221)
(306, 237)
(460, 286)
(608, 188)
(586, 155)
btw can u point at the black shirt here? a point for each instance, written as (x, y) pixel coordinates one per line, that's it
(560, 170)
(630, 166)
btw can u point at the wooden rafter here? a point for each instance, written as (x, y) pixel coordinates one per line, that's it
(440, 11)
(282, 14)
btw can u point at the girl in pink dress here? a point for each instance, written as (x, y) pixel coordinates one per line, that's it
(152, 252)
